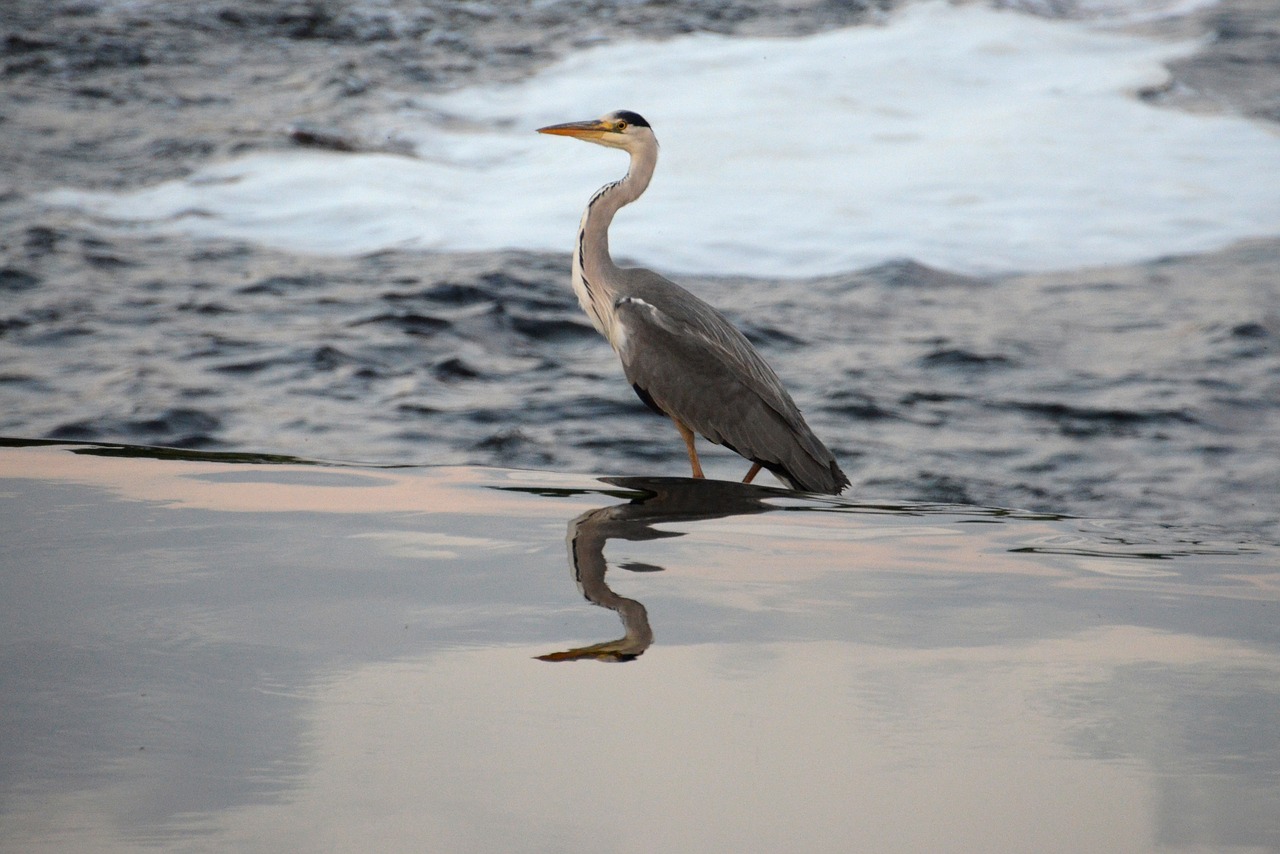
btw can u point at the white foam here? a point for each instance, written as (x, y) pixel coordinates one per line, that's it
(967, 138)
(1132, 11)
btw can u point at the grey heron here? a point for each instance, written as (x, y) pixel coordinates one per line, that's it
(684, 359)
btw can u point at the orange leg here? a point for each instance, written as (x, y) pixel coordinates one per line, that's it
(751, 475)
(687, 435)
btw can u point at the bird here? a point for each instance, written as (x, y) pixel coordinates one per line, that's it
(684, 359)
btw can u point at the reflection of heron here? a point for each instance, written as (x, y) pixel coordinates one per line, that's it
(662, 500)
(682, 357)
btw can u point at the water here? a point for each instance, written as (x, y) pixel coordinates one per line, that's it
(204, 646)
(965, 138)
(219, 652)
(1134, 393)
(1147, 390)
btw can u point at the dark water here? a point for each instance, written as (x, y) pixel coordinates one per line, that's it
(1149, 392)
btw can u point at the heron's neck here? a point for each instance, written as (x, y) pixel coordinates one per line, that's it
(593, 268)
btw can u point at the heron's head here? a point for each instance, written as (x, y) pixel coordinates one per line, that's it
(619, 129)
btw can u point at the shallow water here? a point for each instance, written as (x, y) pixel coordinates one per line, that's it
(1149, 391)
(226, 652)
(245, 652)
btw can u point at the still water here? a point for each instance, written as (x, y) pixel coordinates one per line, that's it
(232, 652)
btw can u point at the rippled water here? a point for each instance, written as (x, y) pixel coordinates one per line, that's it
(968, 138)
(1149, 391)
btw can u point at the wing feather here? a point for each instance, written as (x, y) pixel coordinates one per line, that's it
(695, 366)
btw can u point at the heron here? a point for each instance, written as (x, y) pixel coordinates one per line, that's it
(684, 358)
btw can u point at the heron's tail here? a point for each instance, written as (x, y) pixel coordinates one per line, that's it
(810, 475)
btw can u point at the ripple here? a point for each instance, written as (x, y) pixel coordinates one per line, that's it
(965, 359)
(179, 427)
(1075, 420)
(453, 370)
(280, 285)
(14, 279)
(411, 323)
(552, 329)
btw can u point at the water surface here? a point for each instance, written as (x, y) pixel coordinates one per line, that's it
(254, 654)
(914, 156)
(974, 139)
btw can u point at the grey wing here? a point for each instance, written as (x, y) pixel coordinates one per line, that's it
(693, 316)
(728, 395)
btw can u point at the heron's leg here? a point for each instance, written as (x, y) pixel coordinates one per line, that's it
(751, 475)
(687, 435)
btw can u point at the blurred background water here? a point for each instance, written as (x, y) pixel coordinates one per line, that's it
(1038, 271)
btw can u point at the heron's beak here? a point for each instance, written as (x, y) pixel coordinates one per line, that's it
(593, 129)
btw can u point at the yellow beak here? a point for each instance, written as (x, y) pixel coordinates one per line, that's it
(593, 129)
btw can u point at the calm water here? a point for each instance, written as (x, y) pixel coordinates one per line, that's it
(203, 653)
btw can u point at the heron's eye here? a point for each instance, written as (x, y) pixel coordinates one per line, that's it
(622, 126)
